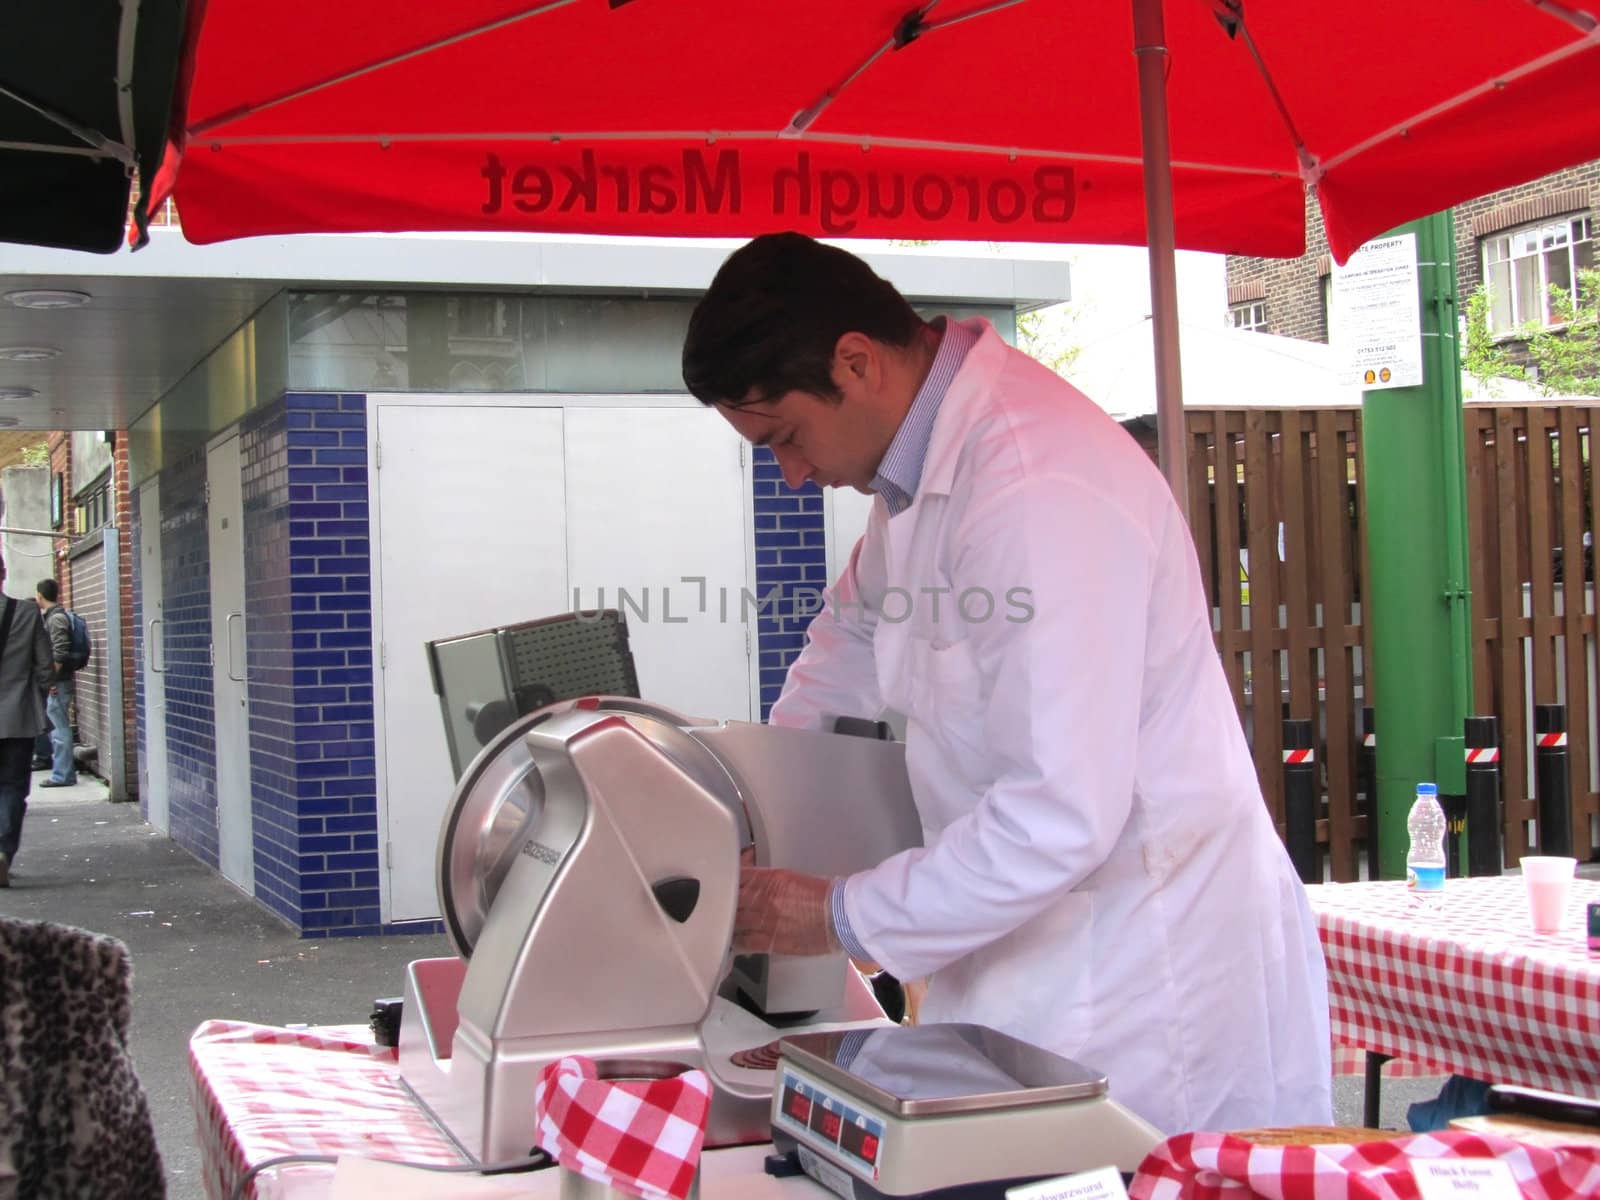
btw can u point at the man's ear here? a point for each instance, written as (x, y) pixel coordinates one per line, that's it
(855, 358)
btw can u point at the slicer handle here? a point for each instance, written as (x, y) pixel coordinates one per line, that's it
(677, 896)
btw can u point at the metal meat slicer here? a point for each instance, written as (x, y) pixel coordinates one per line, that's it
(588, 875)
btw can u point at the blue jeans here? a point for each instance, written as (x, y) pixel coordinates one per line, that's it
(63, 769)
(15, 780)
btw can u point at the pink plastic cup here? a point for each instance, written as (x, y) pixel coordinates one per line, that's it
(1548, 879)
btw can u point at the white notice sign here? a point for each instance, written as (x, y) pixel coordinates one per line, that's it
(1378, 315)
(1465, 1179)
(1103, 1183)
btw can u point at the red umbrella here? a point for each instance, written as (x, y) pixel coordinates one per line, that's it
(1016, 120)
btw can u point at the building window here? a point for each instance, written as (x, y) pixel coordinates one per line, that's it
(94, 509)
(1520, 266)
(1252, 314)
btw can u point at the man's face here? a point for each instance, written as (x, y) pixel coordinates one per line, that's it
(830, 441)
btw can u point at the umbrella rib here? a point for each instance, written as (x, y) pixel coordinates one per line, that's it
(1308, 161)
(907, 30)
(100, 145)
(1578, 19)
(711, 137)
(967, 16)
(127, 44)
(47, 148)
(246, 110)
(1589, 41)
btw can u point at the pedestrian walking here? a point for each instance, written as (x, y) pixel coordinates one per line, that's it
(26, 666)
(63, 684)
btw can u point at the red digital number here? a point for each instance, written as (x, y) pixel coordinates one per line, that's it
(799, 1107)
(830, 1126)
(869, 1147)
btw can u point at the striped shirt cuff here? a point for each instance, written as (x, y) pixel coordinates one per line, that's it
(841, 924)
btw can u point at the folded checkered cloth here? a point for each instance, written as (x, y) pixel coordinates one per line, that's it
(1215, 1166)
(643, 1136)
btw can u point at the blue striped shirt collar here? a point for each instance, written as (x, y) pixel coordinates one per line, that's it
(901, 469)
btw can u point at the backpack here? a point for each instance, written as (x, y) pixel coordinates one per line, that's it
(80, 648)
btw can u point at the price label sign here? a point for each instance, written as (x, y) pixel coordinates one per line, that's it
(1465, 1179)
(1103, 1183)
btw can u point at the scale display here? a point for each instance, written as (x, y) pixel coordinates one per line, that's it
(827, 1119)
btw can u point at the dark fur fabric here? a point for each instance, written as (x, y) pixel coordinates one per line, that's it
(74, 1122)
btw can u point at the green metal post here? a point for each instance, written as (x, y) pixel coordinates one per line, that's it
(1417, 593)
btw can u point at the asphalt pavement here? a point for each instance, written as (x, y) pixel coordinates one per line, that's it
(202, 949)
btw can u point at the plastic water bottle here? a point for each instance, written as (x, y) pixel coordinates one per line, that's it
(1425, 859)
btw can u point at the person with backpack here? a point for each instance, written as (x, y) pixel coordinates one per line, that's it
(25, 670)
(69, 647)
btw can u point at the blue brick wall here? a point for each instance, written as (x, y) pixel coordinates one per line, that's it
(186, 644)
(309, 595)
(791, 567)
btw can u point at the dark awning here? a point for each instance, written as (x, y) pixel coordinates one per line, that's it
(85, 95)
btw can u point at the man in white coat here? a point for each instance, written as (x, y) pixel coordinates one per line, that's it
(1100, 876)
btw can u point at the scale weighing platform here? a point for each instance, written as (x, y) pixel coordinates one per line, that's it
(944, 1111)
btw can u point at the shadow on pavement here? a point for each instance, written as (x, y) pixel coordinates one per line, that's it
(200, 947)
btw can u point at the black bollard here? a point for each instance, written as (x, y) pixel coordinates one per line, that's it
(1367, 771)
(1550, 777)
(1483, 795)
(1300, 800)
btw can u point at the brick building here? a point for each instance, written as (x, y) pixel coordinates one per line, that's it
(1518, 241)
(90, 513)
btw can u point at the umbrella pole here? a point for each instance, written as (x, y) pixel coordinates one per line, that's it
(1150, 47)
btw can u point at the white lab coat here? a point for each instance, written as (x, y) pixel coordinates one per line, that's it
(1100, 876)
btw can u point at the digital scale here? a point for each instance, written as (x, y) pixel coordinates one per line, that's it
(944, 1111)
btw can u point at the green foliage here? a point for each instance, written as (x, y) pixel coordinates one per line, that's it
(1564, 357)
(36, 455)
(1046, 335)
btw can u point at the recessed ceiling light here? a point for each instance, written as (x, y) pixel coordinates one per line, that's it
(47, 298)
(29, 353)
(17, 393)
(9, 422)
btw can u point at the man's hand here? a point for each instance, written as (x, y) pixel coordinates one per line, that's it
(783, 912)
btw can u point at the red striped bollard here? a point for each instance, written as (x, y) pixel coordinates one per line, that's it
(1300, 800)
(1483, 795)
(1551, 778)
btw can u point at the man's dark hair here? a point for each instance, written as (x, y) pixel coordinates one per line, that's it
(774, 313)
(49, 590)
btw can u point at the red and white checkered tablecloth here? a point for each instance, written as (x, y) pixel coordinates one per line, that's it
(1462, 984)
(1215, 1166)
(261, 1091)
(643, 1135)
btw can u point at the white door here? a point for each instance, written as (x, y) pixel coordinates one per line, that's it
(153, 762)
(470, 524)
(655, 509)
(225, 513)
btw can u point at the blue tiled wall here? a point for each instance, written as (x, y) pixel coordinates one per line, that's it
(791, 557)
(186, 653)
(308, 590)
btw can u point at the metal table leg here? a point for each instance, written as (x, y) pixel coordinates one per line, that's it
(1369, 1112)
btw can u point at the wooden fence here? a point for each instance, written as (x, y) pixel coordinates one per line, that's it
(1282, 543)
